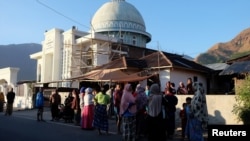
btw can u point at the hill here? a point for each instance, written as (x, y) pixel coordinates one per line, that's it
(221, 52)
(18, 56)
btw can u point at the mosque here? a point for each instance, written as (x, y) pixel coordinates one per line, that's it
(117, 30)
(118, 39)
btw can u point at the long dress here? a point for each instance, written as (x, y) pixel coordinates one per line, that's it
(101, 116)
(197, 114)
(88, 112)
(128, 112)
(156, 119)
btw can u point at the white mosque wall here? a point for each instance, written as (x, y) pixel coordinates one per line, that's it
(101, 55)
(51, 66)
(39, 70)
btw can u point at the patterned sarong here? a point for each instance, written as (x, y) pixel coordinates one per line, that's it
(101, 117)
(129, 128)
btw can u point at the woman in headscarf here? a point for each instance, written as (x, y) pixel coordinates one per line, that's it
(172, 101)
(88, 110)
(155, 127)
(68, 112)
(198, 114)
(141, 103)
(101, 116)
(76, 107)
(182, 88)
(189, 86)
(128, 113)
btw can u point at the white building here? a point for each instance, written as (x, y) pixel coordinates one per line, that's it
(8, 77)
(70, 53)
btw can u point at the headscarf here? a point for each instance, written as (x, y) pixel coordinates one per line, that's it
(141, 97)
(81, 96)
(88, 90)
(155, 100)
(127, 98)
(88, 97)
(182, 89)
(82, 90)
(198, 103)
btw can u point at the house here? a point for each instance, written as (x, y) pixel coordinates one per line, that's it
(237, 69)
(167, 66)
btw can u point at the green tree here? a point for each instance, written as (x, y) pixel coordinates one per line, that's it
(242, 97)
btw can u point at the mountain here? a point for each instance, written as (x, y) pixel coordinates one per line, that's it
(221, 52)
(18, 56)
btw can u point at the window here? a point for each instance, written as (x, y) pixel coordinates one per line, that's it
(134, 40)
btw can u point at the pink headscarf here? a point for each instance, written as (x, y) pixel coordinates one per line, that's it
(127, 98)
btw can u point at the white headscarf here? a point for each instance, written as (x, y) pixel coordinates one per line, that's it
(88, 97)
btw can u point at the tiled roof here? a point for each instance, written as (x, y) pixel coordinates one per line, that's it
(157, 59)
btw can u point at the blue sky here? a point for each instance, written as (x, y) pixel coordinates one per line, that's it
(186, 27)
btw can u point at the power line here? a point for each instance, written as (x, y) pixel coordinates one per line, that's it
(61, 14)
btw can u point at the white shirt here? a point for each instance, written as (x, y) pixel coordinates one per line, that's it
(88, 99)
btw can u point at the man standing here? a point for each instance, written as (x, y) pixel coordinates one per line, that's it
(10, 100)
(55, 100)
(40, 104)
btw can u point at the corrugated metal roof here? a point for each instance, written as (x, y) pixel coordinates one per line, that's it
(237, 68)
(217, 66)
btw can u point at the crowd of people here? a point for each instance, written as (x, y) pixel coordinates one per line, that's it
(140, 111)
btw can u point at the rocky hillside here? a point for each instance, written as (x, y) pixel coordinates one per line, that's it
(222, 52)
(18, 56)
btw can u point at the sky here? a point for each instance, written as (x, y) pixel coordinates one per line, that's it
(187, 27)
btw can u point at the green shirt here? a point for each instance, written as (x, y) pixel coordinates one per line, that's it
(101, 98)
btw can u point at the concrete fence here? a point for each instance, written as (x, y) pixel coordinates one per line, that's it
(219, 109)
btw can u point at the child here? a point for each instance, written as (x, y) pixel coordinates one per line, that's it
(183, 117)
(187, 112)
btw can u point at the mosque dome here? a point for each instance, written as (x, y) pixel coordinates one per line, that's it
(119, 15)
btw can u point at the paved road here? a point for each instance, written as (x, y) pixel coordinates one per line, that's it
(22, 125)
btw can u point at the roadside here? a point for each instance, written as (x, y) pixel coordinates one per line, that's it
(31, 114)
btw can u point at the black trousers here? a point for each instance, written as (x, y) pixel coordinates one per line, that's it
(54, 111)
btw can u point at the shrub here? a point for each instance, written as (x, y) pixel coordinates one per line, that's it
(242, 97)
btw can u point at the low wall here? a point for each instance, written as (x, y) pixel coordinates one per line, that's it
(21, 102)
(219, 109)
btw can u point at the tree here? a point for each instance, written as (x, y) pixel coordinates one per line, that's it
(242, 97)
